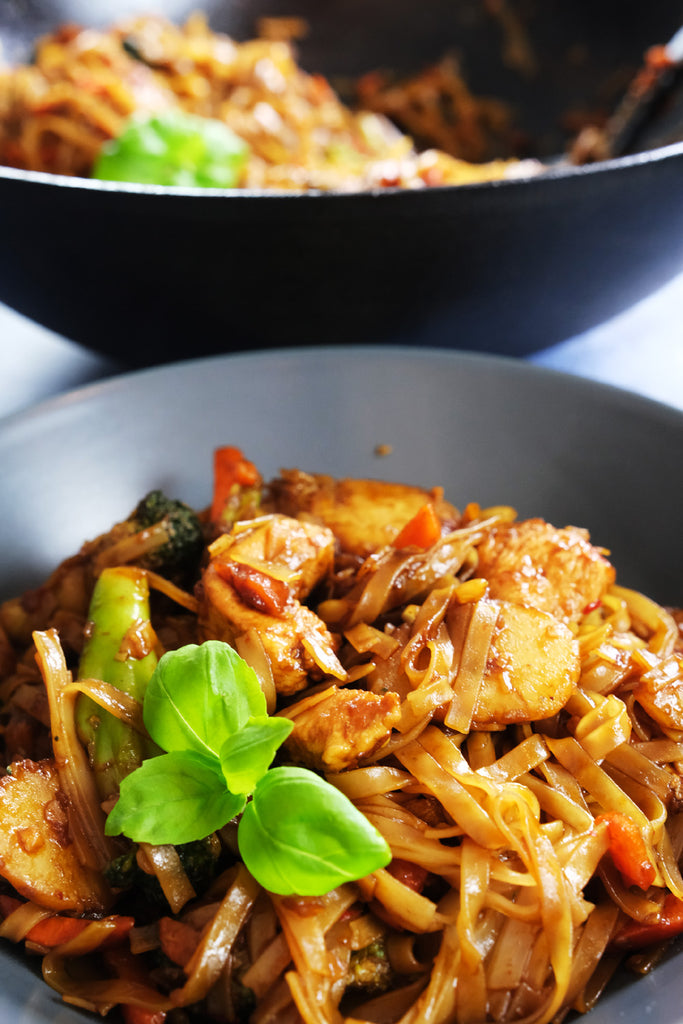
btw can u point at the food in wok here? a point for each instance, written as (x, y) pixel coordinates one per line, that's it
(335, 750)
(207, 110)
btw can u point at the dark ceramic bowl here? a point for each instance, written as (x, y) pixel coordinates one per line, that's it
(151, 274)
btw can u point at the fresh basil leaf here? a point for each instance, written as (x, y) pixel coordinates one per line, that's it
(174, 798)
(200, 695)
(174, 148)
(246, 755)
(300, 835)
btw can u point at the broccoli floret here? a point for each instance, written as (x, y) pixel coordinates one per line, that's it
(160, 534)
(178, 532)
(369, 969)
(200, 860)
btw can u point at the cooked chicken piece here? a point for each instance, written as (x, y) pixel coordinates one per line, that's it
(333, 730)
(37, 855)
(251, 585)
(364, 515)
(300, 554)
(533, 563)
(517, 663)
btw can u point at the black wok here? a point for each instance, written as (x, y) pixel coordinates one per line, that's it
(152, 274)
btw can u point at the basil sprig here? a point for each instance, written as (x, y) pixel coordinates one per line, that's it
(297, 833)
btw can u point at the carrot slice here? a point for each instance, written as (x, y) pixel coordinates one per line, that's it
(56, 930)
(231, 470)
(423, 530)
(178, 940)
(628, 849)
(637, 934)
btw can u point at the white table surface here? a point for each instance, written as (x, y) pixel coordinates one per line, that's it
(641, 350)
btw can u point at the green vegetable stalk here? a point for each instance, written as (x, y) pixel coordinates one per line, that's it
(117, 651)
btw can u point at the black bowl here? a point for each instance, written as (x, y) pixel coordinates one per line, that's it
(152, 274)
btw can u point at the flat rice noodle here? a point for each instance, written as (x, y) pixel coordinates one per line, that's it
(582, 855)
(97, 995)
(250, 647)
(426, 627)
(652, 618)
(515, 821)
(472, 628)
(411, 844)
(20, 921)
(523, 758)
(557, 804)
(603, 728)
(273, 961)
(119, 704)
(637, 766)
(366, 639)
(403, 954)
(471, 994)
(323, 655)
(508, 959)
(474, 881)
(170, 873)
(262, 926)
(433, 693)
(669, 867)
(659, 751)
(593, 941)
(305, 921)
(276, 1007)
(389, 1007)
(86, 817)
(436, 1003)
(463, 808)
(172, 591)
(397, 578)
(649, 803)
(407, 908)
(216, 943)
(636, 904)
(361, 783)
(597, 983)
(481, 752)
(596, 781)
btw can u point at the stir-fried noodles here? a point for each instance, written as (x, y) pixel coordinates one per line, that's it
(84, 85)
(482, 689)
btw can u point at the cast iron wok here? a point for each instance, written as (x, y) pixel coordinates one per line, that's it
(151, 274)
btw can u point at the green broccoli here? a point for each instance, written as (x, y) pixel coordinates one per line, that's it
(161, 534)
(201, 861)
(370, 969)
(181, 526)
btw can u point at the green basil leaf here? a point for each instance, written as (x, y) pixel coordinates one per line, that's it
(200, 695)
(300, 835)
(246, 755)
(174, 148)
(174, 798)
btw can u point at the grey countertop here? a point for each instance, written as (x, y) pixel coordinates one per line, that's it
(641, 350)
